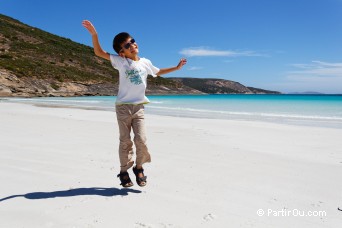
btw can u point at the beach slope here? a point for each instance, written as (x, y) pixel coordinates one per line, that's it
(59, 166)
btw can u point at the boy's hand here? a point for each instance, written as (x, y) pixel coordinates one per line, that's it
(181, 63)
(89, 26)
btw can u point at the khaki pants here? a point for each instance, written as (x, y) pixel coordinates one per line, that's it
(132, 117)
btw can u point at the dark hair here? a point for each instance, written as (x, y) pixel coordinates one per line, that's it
(119, 39)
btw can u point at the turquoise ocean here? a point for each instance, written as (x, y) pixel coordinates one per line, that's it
(311, 110)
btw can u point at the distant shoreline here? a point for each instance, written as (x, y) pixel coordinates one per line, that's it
(295, 109)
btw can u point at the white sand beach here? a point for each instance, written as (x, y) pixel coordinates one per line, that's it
(59, 166)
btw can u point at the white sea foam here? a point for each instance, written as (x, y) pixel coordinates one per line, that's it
(157, 102)
(250, 114)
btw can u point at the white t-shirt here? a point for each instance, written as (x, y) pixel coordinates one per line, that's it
(132, 79)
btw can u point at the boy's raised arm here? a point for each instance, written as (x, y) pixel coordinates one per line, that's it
(97, 47)
(181, 63)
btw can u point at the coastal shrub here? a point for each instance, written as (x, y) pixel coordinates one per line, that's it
(54, 86)
(59, 78)
(6, 56)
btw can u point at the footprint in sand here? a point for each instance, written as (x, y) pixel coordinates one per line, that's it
(209, 217)
(160, 225)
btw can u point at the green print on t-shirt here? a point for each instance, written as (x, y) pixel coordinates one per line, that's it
(134, 76)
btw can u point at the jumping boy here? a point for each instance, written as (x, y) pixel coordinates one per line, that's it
(130, 101)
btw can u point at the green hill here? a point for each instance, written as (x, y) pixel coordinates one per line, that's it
(220, 86)
(31, 52)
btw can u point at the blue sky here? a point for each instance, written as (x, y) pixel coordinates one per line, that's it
(288, 45)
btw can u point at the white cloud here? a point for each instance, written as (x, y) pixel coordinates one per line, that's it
(204, 51)
(195, 68)
(316, 69)
(315, 76)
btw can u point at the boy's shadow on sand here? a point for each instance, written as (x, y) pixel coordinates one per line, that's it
(75, 192)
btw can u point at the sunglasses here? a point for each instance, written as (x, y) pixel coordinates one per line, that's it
(128, 45)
